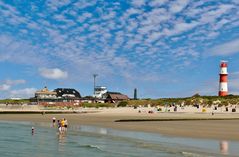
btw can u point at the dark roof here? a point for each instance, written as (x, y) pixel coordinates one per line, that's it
(112, 93)
(116, 96)
(67, 92)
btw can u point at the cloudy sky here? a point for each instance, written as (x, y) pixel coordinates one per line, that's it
(164, 48)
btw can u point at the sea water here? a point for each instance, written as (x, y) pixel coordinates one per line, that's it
(17, 140)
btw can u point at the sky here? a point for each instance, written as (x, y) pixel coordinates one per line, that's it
(164, 48)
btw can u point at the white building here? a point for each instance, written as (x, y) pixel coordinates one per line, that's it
(99, 91)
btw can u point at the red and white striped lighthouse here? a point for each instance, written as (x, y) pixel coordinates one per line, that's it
(223, 90)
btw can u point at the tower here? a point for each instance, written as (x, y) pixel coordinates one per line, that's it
(135, 94)
(223, 90)
(94, 75)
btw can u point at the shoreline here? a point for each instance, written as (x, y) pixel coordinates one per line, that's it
(190, 125)
(43, 112)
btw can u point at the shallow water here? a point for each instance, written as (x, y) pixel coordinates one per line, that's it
(17, 140)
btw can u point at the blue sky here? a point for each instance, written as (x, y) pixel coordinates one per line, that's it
(164, 48)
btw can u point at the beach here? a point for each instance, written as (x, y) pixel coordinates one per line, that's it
(220, 126)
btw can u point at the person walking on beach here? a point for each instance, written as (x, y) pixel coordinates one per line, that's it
(33, 130)
(62, 125)
(59, 126)
(224, 147)
(65, 124)
(53, 121)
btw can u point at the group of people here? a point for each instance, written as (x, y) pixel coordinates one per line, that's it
(61, 124)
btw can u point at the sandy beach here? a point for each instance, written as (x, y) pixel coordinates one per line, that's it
(212, 129)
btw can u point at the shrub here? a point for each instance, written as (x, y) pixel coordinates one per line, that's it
(122, 104)
(97, 105)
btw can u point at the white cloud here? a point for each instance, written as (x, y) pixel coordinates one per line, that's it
(7, 85)
(54, 73)
(4, 87)
(20, 51)
(138, 3)
(15, 82)
(156, 3)
(23, 93)
(84, 16)
(55, 4)
(210, 16)
(228, 48)
(180, 27)
(84, 4)
(178, 5)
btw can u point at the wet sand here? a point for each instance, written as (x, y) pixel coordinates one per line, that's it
(212, 129)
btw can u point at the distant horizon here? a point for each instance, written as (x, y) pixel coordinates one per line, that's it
(166, 48)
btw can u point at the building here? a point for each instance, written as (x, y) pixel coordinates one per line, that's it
(69, 96)
(114, 97)
(67, 93)
(58, 96)
(45, 94)
(99, 92)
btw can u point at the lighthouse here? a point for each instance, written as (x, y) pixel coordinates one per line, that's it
(223, 90)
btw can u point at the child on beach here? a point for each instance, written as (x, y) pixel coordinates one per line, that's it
(65, 124)
(59, 126)
(53, 121)
(33, 129)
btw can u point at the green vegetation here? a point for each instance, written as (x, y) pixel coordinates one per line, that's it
(194, 100)
(122, 104)
(97, 105)
(10, 101)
